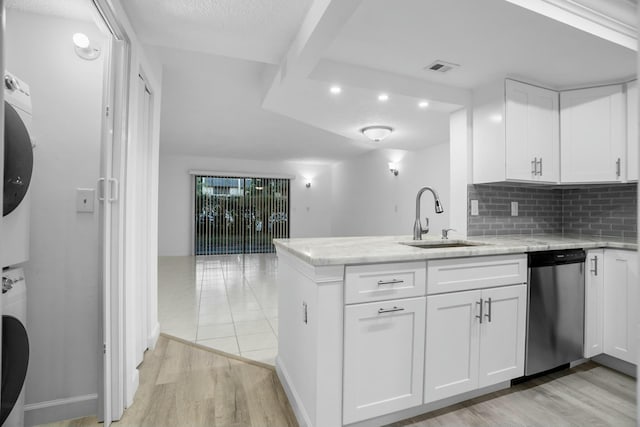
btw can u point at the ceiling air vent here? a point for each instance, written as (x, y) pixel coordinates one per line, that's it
(441, 66)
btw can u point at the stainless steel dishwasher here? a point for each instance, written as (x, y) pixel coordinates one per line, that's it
(555, 309)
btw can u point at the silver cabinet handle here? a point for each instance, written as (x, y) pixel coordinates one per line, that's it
(618, 168)
(594, 270)
(305, 314)
(390, 310)
(389, 282)
(480, 315)
(540, 163)
(534, 166)
(488, 315)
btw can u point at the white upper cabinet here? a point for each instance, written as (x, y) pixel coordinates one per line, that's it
(632, 131)
(532, 133)
(593, 135)
(515, 133)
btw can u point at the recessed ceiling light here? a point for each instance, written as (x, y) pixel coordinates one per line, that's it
(423, 104)
(383, 97)
(335, 90)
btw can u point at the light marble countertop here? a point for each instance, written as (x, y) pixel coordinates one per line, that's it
(372, 249)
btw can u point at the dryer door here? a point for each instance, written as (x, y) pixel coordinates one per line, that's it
(15, 359)
(18, 159)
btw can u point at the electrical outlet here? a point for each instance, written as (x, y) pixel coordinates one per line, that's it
(85, 199)
(474, 208)
(514, 208)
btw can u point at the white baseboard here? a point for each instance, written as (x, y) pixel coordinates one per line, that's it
(152, 339)
(60, 409)
(616, 364)
(294, 399)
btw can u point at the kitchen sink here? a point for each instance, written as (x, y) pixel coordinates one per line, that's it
(435, 244)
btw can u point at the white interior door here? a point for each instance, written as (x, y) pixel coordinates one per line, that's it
(105, 196)
(142, 229)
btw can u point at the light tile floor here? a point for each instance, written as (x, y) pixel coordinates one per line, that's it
(221, 302)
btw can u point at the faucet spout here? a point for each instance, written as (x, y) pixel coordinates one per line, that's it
(418, 231)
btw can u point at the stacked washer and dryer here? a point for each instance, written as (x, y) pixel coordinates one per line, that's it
(14, 250)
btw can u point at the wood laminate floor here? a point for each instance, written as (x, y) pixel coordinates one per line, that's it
(182, 384)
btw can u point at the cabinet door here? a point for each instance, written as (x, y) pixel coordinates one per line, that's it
(451, 356)
(632, 131)
(502, 334)
(620, 304)
(594, 303)
(532, 133)
(592, 135)
(383, 357)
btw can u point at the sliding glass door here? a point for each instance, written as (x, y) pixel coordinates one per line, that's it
(235, 215)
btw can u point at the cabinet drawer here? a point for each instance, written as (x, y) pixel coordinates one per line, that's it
(460, 274)
(377, 282)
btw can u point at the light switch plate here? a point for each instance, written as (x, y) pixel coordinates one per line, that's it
(85, 199)
(474, 208)
(514, 208)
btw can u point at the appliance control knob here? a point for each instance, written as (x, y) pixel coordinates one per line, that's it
(10, 82)
(7, 284)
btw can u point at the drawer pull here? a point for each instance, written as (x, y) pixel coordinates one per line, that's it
(390, 310)
(389, 282)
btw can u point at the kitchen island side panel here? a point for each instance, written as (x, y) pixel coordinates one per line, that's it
(310, 340)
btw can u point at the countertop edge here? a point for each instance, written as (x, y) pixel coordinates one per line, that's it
(415, 254)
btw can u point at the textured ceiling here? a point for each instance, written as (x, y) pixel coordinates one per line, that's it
(82, 10)
(211, 106)
(489, 39)
(220, 97)
(257, 30)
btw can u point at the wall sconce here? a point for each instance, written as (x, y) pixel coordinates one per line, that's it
(308, 184)
(83, 47)
(393, 168)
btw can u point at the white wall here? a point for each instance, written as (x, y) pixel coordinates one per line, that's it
(62, 273)
(367, 199)
(310, 207)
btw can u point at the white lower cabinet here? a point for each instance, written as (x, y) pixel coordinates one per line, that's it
(594, 303)
(502, 334)
(383, 357)
(474, 339)
(620, 304)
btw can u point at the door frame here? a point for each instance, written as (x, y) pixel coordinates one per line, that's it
(115, 119)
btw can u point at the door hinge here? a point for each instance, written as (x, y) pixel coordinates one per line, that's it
(104, 348)
(107, 111)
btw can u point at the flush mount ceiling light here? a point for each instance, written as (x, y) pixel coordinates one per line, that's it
(383, 97)
(335, 90)
(83, 47)
(376, 133)
(423, 104)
